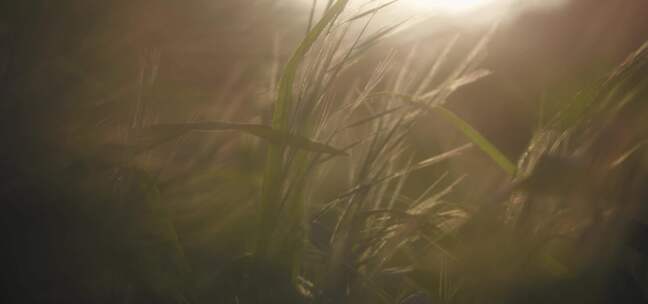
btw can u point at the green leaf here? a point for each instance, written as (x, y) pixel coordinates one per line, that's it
(465, 128)
(157, 134)
(272, 179)
(478, 139)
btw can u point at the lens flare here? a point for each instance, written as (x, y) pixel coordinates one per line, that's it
(450, 6)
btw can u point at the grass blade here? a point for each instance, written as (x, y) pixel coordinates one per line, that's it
(272, 188)
(478, 139)
(157, 134)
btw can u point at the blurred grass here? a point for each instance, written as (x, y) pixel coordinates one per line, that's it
(110, 202)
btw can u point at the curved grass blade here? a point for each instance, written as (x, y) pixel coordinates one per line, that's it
(478, 139)
(271, 191)
(157, 134)
(465, 128)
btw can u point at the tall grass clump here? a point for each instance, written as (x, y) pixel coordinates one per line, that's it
(354, 244)
(571, 224)
(310, 205)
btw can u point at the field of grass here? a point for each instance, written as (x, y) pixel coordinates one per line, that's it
(314, 176)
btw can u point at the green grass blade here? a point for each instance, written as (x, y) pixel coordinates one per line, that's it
(160, 133)
(273, 175)
(284, 98)
(478, 139)
(473, 135)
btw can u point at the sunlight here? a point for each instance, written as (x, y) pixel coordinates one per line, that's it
(449, 6)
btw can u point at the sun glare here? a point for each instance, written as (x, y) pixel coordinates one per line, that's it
(450, 6)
